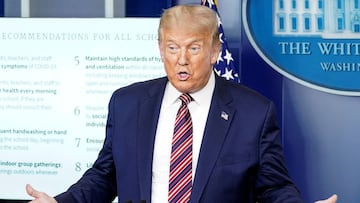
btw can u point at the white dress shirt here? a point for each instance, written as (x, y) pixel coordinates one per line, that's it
(199, 109)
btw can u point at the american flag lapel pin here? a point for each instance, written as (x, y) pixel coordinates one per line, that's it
(224, 115)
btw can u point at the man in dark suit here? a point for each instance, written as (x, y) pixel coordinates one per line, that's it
(236, 152)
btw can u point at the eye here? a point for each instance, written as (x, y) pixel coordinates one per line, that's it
(194, 49)
(173, 48)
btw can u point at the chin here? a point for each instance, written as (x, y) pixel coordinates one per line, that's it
(182, 88)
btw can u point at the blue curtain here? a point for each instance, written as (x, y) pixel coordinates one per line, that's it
(146, 8)
(1, 8)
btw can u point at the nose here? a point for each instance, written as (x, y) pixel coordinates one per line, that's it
(183, 58)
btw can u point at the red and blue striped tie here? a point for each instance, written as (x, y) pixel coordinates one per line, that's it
(180, 182)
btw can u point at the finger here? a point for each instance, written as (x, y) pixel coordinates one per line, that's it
(31, 191)
(333, 198)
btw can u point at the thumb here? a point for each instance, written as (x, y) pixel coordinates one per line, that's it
(333, 198)
(31, 191)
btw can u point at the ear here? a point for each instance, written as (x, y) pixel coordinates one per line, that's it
(161, 49)
(215, 53)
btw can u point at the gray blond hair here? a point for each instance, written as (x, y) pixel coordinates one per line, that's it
(197, 18)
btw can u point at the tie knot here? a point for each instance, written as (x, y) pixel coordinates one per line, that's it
(186, 98)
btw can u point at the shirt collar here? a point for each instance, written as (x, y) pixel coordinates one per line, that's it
(200, 97)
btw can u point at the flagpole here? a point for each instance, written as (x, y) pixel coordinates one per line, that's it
(25, 8)
(109, 8)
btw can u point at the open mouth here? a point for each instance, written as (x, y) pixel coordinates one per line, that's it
(183, 75)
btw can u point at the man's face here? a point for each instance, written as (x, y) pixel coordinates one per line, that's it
(188, 58)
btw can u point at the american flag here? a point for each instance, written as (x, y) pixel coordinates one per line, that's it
(224, 66)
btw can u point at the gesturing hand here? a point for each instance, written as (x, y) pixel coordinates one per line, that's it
(39, 197)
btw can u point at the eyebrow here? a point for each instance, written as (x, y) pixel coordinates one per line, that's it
(201, 41)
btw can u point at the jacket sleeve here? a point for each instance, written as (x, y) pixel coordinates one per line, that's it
(273, 183)
(98, 184)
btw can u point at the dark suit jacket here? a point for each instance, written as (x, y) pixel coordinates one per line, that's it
(241, 158)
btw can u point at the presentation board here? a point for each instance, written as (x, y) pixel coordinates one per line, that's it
(56, 79)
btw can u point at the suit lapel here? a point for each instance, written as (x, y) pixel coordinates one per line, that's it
(148, 119)
(218, 123)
